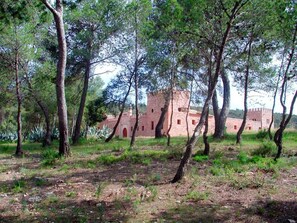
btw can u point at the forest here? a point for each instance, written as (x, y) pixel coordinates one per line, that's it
(57, 166)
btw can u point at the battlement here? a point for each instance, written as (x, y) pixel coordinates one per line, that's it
(259, 110)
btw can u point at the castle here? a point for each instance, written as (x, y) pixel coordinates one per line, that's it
(182, 120)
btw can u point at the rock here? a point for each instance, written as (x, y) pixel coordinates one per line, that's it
(34, 199)
(291, 221)
(48, 194)
(3, 195)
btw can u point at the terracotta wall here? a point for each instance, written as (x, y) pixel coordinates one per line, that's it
(257, 118)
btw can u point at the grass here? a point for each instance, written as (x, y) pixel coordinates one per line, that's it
(109, 182)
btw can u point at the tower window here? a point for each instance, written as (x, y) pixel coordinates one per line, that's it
(193, 122)
(152, 126)
(152, 110)
(235, 127)
(178, 121)
(142, 128)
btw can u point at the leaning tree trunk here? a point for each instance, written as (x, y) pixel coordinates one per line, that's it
(278, 137)
(190, 145)
(121, 112)
(246, 82)
(80, 114)
(274, 98)
(188, 110)
(132, 142)
(19, 150)
(64, 149)
(159, 126)
(205, 137)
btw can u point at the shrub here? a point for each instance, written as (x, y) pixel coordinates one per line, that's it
(36, 134)
(95, 133)
(243, 157)
(262, 134)
(49, 157)
(200, 158)
(267, 148)
(8, 137)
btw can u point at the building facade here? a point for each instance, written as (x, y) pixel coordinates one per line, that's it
(182, 120)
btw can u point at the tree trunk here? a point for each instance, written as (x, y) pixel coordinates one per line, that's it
(246, 82)
(64, 149)
(132, 142)
(226, 105)
(221, 117)
(80, 114)
(190, 145)
(159, 126)
(274, 97)
(171, 118)
(278, 137)
(47, 141)
(205, 138)
(19, 151)
(121, 112)
(216, 113)
(188, 110)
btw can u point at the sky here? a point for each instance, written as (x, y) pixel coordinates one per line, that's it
(259, 99)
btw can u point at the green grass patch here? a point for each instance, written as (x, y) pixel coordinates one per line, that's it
(196, 195)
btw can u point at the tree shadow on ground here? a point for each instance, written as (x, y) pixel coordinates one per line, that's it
(274, 211)
(71, 211)
(193, 212)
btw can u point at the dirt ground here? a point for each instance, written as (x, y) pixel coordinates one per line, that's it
(133, 192)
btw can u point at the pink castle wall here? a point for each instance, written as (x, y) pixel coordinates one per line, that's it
(257, 118)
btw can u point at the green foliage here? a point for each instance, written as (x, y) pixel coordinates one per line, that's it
(200, 158)
(110, 159)
(243, 157)
(49, 157)
(38, 181)
(268, 148)
(36, 134)
(8, 137)
(262, 134)
(70, 194)
(95, 133)
(100, 188)
(196, 195)
(19, 186)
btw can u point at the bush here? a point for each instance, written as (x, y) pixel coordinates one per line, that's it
(243, 157)
(95, 133)
(36, 134)
(268, 148)
(8, 137)
(200, 158)
(49, 157)
(262, 134)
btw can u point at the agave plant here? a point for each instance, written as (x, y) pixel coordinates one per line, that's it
(36, 134)
(8, 137)
(95, 133)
